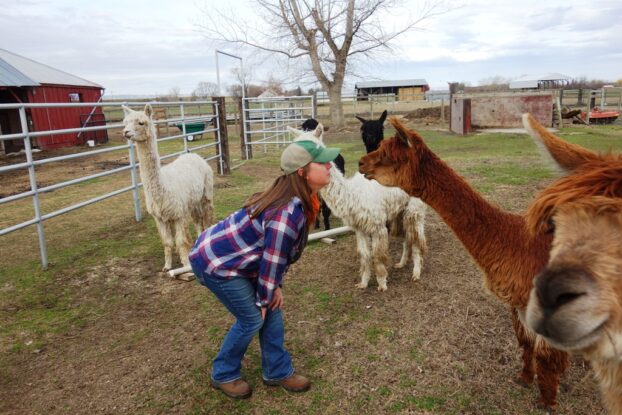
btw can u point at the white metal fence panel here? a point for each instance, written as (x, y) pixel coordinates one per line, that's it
(266, 119)
(190, 125)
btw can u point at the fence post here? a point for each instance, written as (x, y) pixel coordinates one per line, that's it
(246, 151)
(443, 110)
(183, 126)
(133, 174)
(225, 160)
(33, 186)
(314, 105)
(558, 109)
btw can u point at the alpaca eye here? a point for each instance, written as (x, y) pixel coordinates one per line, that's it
(141, 123)
(550, 226)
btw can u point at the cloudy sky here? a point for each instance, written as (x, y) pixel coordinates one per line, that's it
(151, 46)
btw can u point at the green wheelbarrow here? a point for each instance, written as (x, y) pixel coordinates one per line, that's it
(193, 129)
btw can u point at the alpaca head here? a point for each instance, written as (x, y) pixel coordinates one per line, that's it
(576, 301)
(372, 131)
(398, 160)
(315, 135)
(137, 125)
(310, 125)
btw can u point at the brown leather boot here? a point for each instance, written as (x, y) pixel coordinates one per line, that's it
(237, 389)
(294, 383)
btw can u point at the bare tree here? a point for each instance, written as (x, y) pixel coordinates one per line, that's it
(326, 34)
(205, 90)
(173, 93)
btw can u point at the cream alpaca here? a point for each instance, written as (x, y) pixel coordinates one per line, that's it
(367, 207)
(176, 194)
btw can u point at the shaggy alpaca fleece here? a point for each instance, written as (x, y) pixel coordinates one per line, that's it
(177, 194)
(368, 208)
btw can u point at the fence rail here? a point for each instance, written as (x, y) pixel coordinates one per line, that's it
(26, 135)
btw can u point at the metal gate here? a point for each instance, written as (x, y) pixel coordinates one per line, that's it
(266, 119)
(204, 121)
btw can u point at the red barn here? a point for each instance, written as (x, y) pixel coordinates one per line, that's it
(23, 80)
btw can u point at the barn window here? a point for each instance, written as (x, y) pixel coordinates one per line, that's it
(75, 97)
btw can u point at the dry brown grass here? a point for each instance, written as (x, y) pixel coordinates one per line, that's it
(103, 332)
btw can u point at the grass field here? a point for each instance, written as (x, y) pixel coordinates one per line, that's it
(102, 331)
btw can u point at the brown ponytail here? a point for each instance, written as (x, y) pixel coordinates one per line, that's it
(284, 188)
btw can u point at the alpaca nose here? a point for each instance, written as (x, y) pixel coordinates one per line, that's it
(558, 287)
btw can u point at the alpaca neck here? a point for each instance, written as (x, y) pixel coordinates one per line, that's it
(150, 171)
(609, 375)
(336, 192)
(497, 240)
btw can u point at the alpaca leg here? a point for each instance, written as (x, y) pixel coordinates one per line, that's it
(419, 247)
(182, 240)
(526, 341)
(364, 250)
(405, 255)
(550, 366)
(380, 249)
(326, 215)
(202, 216)
(166, 236)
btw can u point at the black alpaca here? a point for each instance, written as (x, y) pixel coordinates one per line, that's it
(310, 125)
(372, 131)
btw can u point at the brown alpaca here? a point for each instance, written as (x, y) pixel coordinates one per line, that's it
(497, 240)
(576, 302)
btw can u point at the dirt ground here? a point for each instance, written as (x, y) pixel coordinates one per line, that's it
(440, 345)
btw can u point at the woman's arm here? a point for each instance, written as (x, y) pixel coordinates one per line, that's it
(280, 236)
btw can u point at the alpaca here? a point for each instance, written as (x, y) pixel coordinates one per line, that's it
(176, 194)
(372, 131)
(368, 207)
(498, 241)
(310, 125)
(575, 302)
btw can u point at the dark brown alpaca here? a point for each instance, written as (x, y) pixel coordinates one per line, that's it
(499, 241)
(576, 300)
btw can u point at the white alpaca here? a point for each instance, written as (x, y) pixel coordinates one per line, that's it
(176, 194)
(368, 207)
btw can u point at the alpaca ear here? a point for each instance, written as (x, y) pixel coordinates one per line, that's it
(294, 131)
(148, 110)
(126, 110)
(319, 130)
(363, 120)
(405, 136)
(383, 117)
(566, 155)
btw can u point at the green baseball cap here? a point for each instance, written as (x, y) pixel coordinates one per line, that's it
(300, 153)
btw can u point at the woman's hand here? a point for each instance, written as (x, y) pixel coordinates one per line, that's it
(277, 299)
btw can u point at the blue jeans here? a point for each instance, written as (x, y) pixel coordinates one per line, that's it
(238, 295)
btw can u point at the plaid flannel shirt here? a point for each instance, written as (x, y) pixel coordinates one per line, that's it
(239, 246)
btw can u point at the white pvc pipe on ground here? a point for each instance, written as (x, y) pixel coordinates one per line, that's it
(312, 237)
(323, 234)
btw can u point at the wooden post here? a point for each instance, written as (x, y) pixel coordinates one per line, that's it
(244, 152)
(225, 166)
(558, 108)
(442, 109)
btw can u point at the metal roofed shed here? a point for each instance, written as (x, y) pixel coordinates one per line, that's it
(24, 80)
(541, 81)
(404, 90)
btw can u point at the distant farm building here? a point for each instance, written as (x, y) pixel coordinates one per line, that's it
(23, 80)
(405, 90)
(543, 81)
